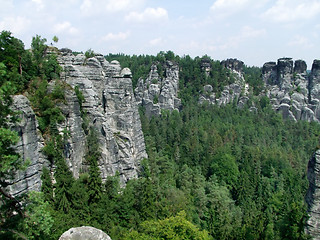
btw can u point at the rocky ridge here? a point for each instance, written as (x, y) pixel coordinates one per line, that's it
(156, 93)
(291, 90)
(239, 90)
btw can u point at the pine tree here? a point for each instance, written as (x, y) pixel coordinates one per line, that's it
(64, 181)
(46, 186)
(92, 157)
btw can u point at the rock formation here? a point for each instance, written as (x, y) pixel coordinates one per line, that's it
(312, 197)
(111, 108)
(290, 91)
(29, 146)
(84, 233)
(156, 93)
(236, 91)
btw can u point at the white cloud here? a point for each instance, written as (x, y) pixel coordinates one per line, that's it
(6, 7)
(149, 14)
(293, 10)
(116, 36)
(39, 4)
(224, 4)
(86, 7)
(249, 32)
(246, 34)
(16, 25)
(156, 42)
(122, 5)
(94, 7)
(223, 8)
(300, 41)
(65, 27)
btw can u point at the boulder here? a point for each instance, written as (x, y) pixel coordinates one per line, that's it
(84, 233)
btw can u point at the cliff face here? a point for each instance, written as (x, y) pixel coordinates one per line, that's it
(312, 198)
(29, 146)
(111, 108)
(288, 89)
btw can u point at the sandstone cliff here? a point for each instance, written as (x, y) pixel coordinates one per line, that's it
(312, 197)
(111, 109)
(29, 146)
(291, 90)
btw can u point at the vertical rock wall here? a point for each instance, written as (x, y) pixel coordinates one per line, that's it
(111, 108)
(313, 196)
(29, 146)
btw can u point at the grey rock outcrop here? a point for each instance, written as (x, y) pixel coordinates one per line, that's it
(156, 93)
(313, 196)
(84, 233)
(111, 109)
(29, 147)
(287, 87)
(238, 90)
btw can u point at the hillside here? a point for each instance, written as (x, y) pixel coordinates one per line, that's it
(142, 146)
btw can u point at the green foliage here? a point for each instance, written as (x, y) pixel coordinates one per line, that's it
(92, 157)
(46, 186)
(89, 53)
(55, 39)
(38, 222)
(38, 48)
(175, 228)
(253, 77)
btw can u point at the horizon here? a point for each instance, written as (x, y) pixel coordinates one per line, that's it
(253, 32)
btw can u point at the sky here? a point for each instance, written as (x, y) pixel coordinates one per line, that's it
(254, 31)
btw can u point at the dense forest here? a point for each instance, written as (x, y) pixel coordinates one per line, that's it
(212, 172)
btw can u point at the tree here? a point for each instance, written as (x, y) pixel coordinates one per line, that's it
(38, 48)
(89, 53)
(46, 186)
(175, 228)
(38, 221)
(92, 157)
(55, 39)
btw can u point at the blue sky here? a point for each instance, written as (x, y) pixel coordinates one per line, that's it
(254, 31)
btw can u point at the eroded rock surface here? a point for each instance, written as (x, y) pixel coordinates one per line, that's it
(313, 196)
(156, 93)
(291, 91)
(111, 109)
(84, 233)
(29, 146)
(237, 91)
